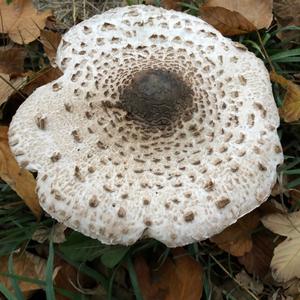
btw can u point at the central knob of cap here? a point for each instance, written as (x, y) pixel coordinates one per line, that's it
(156, 97)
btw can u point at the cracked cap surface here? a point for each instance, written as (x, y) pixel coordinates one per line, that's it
(160, 127)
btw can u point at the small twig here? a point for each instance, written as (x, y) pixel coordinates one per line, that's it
(235, 280)
(265, 51)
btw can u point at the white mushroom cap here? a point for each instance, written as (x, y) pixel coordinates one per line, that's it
(160, 127)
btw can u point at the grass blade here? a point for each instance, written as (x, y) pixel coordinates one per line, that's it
(133, 279)
(49, 271)
(14, 281)
(7, 294)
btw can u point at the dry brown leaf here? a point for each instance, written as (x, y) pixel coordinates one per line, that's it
(287, 13)
(21, 21)
(257, 261)
(18, 179)
(226, 21)
(290, 110)
(27, 265)
(38, 79)
(9, 86)
(12, 60)
(236, 239)
(257, 12)
(180, 278)
(50, 41)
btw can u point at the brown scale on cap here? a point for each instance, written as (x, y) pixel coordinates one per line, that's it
(155, 130)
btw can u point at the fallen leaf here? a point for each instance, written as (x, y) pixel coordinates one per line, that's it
(287, 13)
(226, 21)
(21, 21)
(27, 265)
(17, 178)
(290, 110)
(50, 41)
(284, 224)
(12, 60)
(258, 260)
(285, 263)
(9, 86)
(41, 78)
(236, 239)
(257, 12)
(180, 278)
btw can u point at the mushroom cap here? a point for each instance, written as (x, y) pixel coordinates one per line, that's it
(180, 170)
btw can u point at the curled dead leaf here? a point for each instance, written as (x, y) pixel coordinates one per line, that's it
(180, 278)
(21, 21)
(226, 21)
(257, 12)
(290, 110)
(236, 239)
(17, 178)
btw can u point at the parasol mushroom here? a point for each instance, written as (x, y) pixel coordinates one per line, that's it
(159, 127)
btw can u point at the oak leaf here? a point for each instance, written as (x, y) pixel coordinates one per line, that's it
(50, 41)
(285, 263)
(236, 239)
(180, 278)
(18, 179)
(27, 265)
(257, 12)
(290, 110)
(21, 21)
(12, 60)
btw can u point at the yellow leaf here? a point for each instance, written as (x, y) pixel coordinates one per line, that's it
(257, 12)
(236, 239)
(9, 86)
(27, 265)
(284, 224)
(21, 21)
(290, 110)
(285, 263)
(18, 179)
(226, 21)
